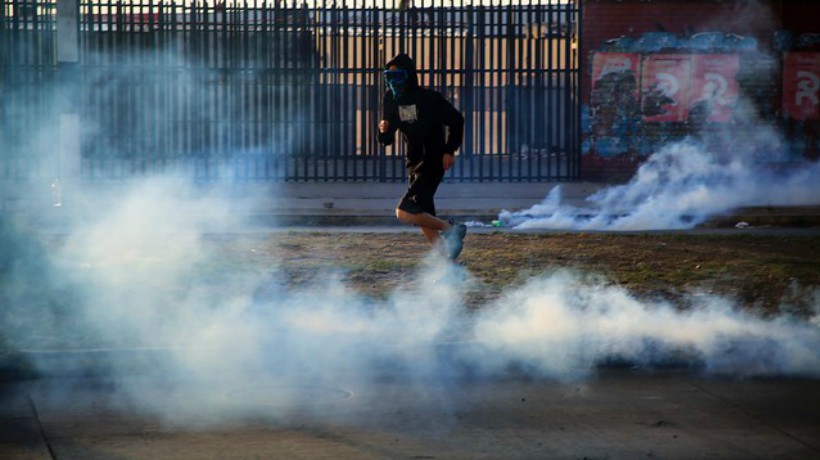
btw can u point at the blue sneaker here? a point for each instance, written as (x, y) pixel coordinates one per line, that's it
(454, 239)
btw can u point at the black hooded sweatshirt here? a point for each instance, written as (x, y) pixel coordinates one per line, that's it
(429, 124)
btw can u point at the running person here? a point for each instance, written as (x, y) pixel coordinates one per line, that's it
(432, 130)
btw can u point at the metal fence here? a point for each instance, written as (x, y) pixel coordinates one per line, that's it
(283, 91)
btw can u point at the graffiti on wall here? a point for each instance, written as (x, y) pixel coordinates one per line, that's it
(801, 101)
(665, 84)
(635, 96)
(660, 87)
(715, 89)
(614, 100)
(801, 85)
(696, 88)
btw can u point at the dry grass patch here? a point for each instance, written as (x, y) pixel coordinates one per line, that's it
(760, 271)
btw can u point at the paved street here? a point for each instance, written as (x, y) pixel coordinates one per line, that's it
(617, 413)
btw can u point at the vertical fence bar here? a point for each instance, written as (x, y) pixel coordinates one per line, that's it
(361, 64)
(538, 118)
(4, 98)
(244, 110)
(290, 28)
(294, 69)
(282, 148)
(396, 34)
(390, 49)
(10, 79)
(496, 101)
(514, 75)
(320, 105)
(336, 121)
(489, 97)
(576, 94)
(380, 36)
(532, 43)
(510, 90)
(7, 100)
(319, 93)
(468, 19)
(351, 85)
(482, 90)
(551, 111)
(565, 122)
(484, 43)
(344, 106)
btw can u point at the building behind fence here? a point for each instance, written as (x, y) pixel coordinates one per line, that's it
(279, 91)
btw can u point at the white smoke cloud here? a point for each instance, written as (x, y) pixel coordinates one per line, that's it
(563, 325)
(243, 343)
(678, 187)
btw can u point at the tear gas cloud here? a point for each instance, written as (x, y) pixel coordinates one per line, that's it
(678, 187)
(142, 276)
(133, 270)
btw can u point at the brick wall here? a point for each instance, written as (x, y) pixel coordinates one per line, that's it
(618, 25)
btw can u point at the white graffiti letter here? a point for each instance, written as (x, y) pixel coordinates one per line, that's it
(807, 87)
(668, 84)
(716, 88)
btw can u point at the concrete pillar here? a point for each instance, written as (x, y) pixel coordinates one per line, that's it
(3, 56)
(68, 60)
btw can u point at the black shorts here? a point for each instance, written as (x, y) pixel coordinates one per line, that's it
(421, 189)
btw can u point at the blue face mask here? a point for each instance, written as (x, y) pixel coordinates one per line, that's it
(396, 80)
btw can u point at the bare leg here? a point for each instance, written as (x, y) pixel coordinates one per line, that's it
(433, 236)
(430, 225)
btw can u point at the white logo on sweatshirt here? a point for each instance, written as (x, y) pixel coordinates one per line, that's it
(408, 113)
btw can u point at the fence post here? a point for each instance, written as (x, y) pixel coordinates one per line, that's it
(3, 63)
(68, 63)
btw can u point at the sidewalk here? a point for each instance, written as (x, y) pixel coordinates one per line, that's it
(374, 203)
(357, 204)
(342, 204)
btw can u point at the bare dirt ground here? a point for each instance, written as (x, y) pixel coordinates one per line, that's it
(768, 272)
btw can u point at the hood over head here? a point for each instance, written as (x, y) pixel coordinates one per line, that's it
(403, 61)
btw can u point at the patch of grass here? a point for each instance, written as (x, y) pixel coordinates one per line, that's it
(758, 270)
